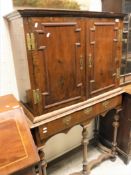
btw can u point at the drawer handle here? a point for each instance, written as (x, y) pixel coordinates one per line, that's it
(88, 110)
(44, 130)
(67, 120)
(105, 104)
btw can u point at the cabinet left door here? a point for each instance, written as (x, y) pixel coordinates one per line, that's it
(58, 61)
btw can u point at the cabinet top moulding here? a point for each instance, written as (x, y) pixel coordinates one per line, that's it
(61, 13)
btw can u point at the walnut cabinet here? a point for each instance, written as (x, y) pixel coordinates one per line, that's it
(64, 57)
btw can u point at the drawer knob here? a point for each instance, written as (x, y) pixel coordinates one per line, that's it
(88, 110)
(67, 120)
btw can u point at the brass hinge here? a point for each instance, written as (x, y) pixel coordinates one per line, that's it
(30, 38)
(36, 96)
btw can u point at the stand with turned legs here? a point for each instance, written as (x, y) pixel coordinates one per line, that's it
(80, 114)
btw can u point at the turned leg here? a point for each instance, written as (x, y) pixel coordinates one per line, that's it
(43, 162)
(96, 131)
(115, 125)
(37, 170)
(85, 144)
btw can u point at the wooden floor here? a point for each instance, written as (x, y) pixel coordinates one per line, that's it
(73, 163)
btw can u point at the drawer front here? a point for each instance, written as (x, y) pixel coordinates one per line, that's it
(49, 129)
(110, 104)
(59, 125)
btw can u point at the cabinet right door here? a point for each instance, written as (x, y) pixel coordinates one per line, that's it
(103, 55)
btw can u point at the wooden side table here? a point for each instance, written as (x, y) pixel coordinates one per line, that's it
(18, 153)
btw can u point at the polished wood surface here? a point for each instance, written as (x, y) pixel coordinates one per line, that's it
(61, 52)
(8, 102)
(17, 149)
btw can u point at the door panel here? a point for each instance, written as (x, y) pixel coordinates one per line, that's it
(58, 62)
(102, 56)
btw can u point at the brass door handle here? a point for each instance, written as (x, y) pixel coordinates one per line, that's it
(81, 62)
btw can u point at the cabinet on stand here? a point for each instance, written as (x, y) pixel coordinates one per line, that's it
(68, 70)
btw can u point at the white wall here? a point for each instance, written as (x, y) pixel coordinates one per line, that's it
(7, 72)
(91, 5)
(60, 143)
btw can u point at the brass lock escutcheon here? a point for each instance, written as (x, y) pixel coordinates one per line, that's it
(88, 110)
(90, 60)
(67, 120)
